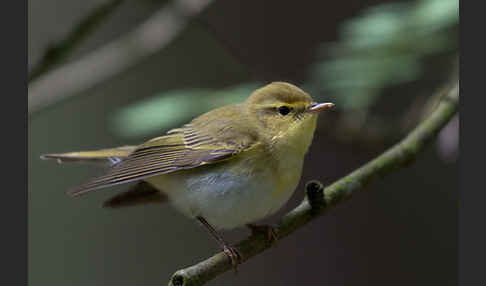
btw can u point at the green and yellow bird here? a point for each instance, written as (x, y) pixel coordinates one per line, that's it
(227, 168)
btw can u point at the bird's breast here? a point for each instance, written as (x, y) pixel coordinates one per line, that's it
(231, 193)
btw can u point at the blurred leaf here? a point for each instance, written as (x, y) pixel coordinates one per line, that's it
(168, 109)
(382, 47)
(433, 15)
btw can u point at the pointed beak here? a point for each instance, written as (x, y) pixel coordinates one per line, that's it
(316, 107)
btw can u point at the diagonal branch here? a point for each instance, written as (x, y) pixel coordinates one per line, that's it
(58, 52)
(318, 201)
(115, 57)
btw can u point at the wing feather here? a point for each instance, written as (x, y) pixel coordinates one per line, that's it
(182, 148)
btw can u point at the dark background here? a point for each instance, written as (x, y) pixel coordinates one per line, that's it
(400, 230)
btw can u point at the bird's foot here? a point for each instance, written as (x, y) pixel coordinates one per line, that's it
(271, 232)
(234, 255)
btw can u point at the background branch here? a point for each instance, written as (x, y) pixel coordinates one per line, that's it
(115, 57)
(57, 52)
(402, 154)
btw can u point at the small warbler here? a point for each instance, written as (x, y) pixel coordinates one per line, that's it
(227, 168)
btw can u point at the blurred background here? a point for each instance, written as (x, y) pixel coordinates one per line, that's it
(105, 73)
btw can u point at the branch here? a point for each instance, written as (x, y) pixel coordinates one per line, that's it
(57, 52)
(319, 200)
(151, 36)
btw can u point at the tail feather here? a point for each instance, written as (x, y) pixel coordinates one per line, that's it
(141, 193)
(111, 155)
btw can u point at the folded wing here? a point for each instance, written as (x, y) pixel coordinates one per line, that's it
(182, 148)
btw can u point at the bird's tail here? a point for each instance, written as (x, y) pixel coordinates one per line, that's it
(111, 155)
(141, 193)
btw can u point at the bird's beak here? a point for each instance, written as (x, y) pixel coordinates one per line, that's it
(316, 107)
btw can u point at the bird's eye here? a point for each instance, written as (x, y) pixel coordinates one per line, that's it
(284, 110)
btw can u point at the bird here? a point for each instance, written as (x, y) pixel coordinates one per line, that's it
(227, 168)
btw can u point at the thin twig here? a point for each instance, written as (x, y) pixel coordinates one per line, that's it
(55, 53)
(398, 156)
(151, 36)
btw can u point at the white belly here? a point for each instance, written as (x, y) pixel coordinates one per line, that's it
(225, 197)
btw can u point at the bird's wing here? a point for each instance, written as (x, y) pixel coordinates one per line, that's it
(183, 148)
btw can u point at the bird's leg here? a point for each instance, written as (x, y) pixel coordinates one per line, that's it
(231, 252)
(270, 231)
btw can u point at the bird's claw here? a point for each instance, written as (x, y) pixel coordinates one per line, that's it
(233, 254)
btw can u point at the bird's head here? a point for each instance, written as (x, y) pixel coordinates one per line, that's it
(285, 113)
